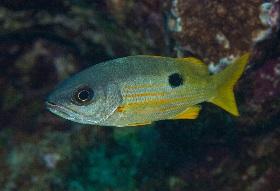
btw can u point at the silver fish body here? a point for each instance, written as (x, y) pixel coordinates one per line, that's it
(138, 90)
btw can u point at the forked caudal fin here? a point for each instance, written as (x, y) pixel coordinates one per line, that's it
(225, 81)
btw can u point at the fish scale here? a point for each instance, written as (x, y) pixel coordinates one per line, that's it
(161, 111)
(138, 90)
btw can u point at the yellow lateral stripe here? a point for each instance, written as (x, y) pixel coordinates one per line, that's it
(152, 102)
(158, 111)
(143, 86)
(145, 94)
(170, 108)
(140, 94)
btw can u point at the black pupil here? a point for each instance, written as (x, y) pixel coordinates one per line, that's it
(175, 80)
(84, 95)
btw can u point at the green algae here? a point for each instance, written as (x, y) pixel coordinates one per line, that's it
(103, 168)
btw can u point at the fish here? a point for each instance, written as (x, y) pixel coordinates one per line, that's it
(139, 90)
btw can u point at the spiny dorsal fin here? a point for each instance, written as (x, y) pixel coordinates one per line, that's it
(190, 113)
(196, 65)
(192, 60)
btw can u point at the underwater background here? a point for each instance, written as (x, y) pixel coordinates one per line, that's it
(45, 41)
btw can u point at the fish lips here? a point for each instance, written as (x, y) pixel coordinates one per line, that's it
(68, 113)
(59, 110)
(65, 112)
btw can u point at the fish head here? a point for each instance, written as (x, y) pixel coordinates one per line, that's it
(85, 100)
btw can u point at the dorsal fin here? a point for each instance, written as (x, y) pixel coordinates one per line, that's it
(192, 60)
(196, 64)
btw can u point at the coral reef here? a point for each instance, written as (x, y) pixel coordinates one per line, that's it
(43, 42)
(217, 29)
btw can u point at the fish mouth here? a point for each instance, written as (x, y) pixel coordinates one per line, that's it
(61, 110)
(68, 113)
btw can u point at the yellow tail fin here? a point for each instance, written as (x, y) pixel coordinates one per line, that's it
(224, 81)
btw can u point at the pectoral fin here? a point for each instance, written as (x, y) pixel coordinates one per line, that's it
(190, 113)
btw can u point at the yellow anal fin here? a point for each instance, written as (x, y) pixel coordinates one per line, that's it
(138, 124)
(190, 113)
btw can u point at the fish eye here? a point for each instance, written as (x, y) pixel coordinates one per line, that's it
(83, 95)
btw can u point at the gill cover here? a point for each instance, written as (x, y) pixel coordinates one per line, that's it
(112, 101)
(107, 100)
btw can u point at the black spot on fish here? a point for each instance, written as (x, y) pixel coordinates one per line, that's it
(175, 80)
